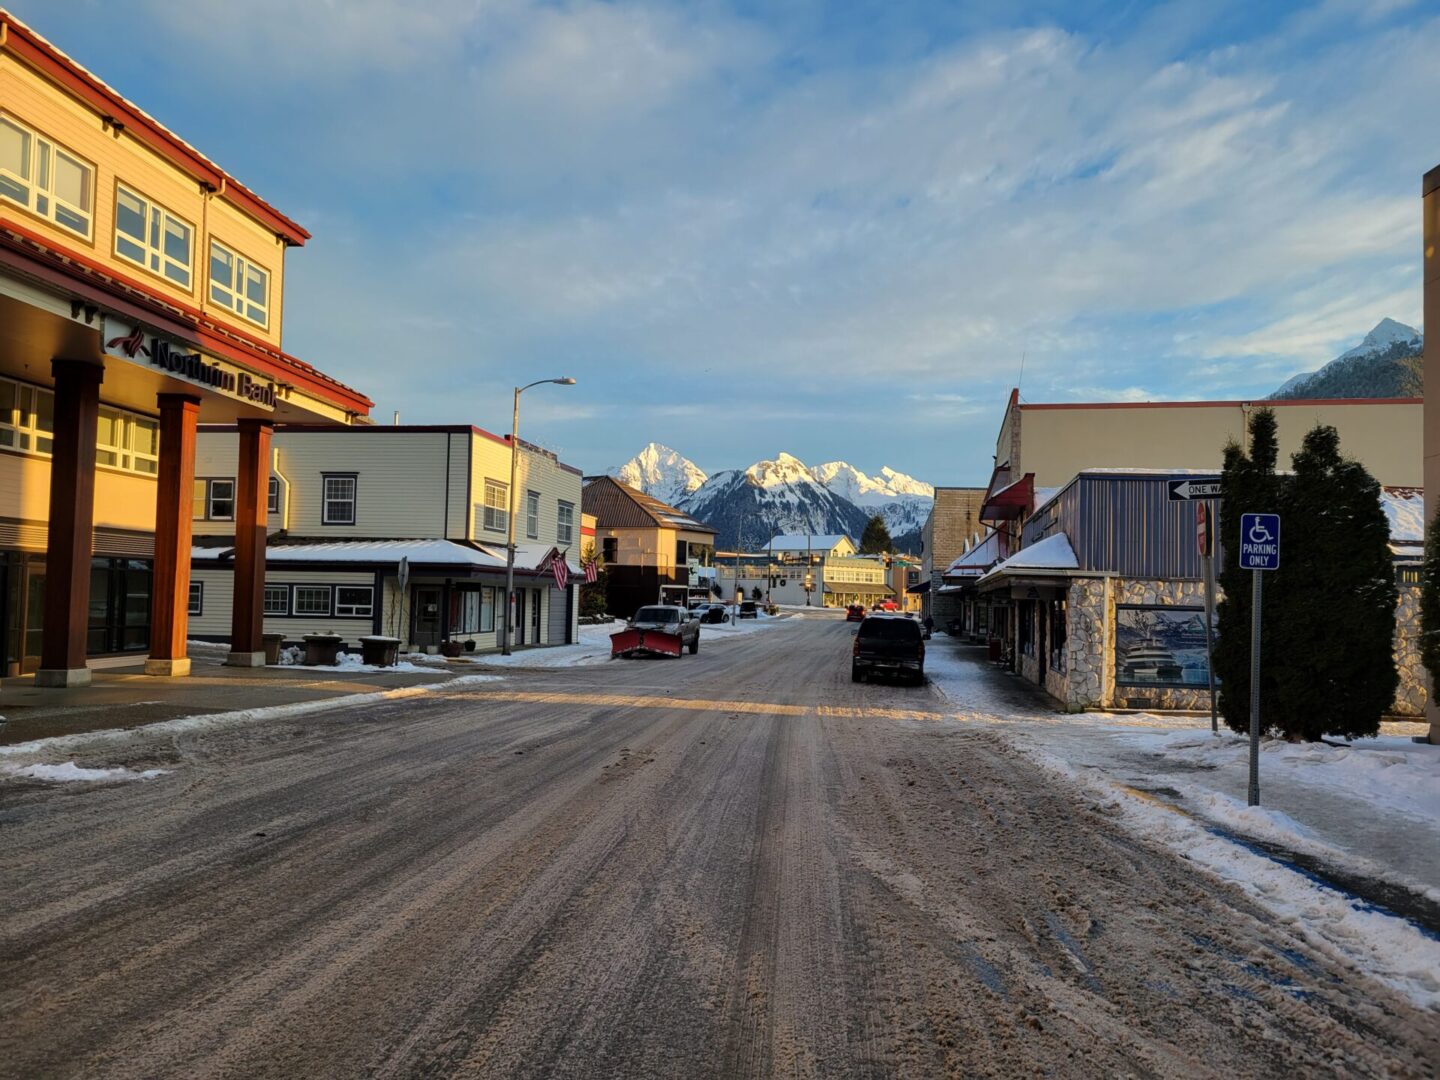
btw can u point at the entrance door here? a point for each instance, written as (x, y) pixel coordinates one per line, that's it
(535, 617)
(33, 613)
(520, 616)
(425, 604)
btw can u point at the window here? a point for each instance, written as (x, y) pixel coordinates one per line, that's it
(214, 500)
(272, 497)
(487, 610)
(497, 505)
(129, 442)
(45, 179)
(532, 515)
(609, 550)
(197, 598)
(150, 236)
(565, 523)
(277, 600)
(339, 502)
(239, 285)
(356, 601)
(27, 417)
(312, 600)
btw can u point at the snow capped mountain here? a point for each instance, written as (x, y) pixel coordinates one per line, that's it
(747, 507)
(662, 472)
(844, 479)
(1374, 368)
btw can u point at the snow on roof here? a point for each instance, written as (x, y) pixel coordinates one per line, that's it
(1405, 510)
(1044, 494)
(1130, 471)
(978, 557)
(1052, 553)
(528, 556)
(801, 542)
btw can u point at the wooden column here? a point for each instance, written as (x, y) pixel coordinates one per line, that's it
(247, 623)
(174, 501)
(72, 525)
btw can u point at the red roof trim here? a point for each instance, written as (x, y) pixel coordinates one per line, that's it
(51, 62)
(1262, 403)
(81, 273)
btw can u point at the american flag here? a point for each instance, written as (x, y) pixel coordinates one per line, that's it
(561, 571)
(592, 572)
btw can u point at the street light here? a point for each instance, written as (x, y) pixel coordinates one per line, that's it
(510, 513)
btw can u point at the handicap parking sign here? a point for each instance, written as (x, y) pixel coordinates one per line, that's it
(1259, 541)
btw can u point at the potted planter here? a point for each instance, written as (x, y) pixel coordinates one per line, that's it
(272, 647)
(322, 650)
(451, 649)
(379, 651)
(470, 644)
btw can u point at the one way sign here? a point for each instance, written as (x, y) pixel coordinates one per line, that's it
(1194, 487)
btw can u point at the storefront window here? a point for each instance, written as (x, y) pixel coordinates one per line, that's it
(1057, 615)
(472, 611)
(1160, 646)
(1027, 628)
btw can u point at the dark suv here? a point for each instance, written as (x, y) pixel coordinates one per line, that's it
(891, 644)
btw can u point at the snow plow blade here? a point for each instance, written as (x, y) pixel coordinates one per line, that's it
(644, 643)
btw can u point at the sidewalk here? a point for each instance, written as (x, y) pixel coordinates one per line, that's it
(1372, 807)
(122, 696)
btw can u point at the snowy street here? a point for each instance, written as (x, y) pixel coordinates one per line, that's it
(737, 863)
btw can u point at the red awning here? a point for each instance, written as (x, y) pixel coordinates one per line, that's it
(1010, 502)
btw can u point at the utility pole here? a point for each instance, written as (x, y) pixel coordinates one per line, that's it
(510, 510)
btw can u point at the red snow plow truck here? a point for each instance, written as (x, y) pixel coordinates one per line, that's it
(657, 630)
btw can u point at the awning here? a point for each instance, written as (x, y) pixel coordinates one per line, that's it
(859, 589)
(1010, 502)
(919, 589)
(446, 555)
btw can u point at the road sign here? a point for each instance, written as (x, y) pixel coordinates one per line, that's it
(1259, 541)
(1202, 529)
(1194, 487)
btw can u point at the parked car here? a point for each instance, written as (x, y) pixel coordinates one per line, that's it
(855, 613)
(711, 612)
(748, 610)
(888, 645)
(670, 619)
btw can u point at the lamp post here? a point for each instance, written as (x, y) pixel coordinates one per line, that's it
(510, 510)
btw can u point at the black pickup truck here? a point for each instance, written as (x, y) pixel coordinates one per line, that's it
(891, 644)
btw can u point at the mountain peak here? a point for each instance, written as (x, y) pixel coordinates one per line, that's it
(662, 472)
(1387, 331)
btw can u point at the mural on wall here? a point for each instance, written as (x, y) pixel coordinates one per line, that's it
(1160, 646)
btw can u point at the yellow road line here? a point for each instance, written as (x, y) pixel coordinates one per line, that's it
(635, 701)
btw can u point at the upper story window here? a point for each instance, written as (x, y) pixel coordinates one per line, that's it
(150, 236)
(272, 497)
(532, 515)
(27, 417)
(497, 505)
(214, 499)
(239, 285)
(565, 523)
(46, 179)
(129, 442)
(609, 549)
(338, 505)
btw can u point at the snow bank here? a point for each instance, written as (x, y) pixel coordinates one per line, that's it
(69, 772)
(294, 656)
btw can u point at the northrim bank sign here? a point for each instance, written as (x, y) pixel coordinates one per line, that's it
(127, 341)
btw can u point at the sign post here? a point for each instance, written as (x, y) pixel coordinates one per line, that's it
(1259, 552)
(1204, 541)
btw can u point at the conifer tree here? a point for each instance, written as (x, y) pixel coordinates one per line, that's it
(875, 540)
(1247, 485)
(1331, 621)
(592, 593)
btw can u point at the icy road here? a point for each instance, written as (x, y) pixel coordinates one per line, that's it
(734, 864)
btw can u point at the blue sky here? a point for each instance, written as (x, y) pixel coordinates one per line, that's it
(833, 229)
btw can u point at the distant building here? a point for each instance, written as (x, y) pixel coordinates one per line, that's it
(808, 570)
(398, 531)
(651, 550)
(953, 520)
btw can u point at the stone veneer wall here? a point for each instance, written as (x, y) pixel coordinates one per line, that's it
(1089, 679)
(1410, 696)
